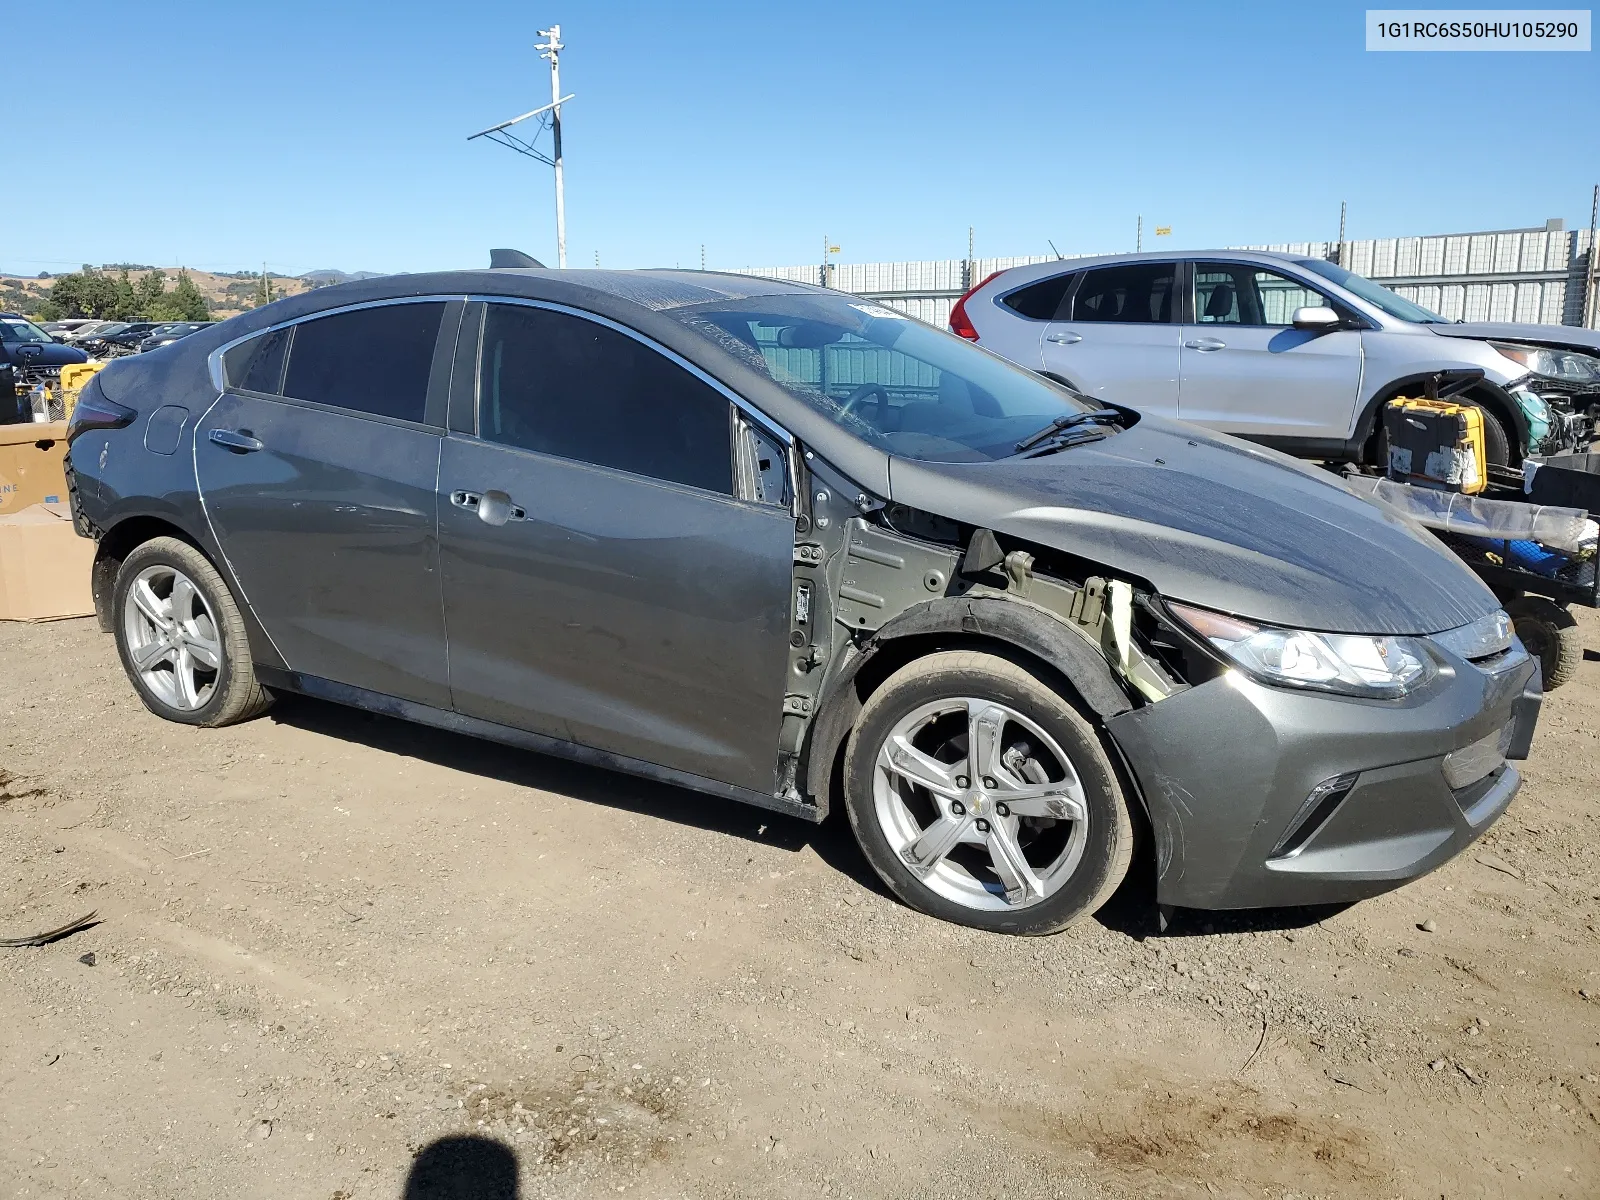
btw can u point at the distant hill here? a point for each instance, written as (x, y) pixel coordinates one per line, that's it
(228, 292)
(331, 276)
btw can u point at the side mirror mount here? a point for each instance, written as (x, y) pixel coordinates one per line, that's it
(1316, 320)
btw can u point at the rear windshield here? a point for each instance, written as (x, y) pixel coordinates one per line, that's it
(908, 388)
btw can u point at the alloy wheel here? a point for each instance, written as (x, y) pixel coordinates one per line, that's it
(172, 638)
(980, 804)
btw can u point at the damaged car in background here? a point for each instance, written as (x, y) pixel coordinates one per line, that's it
(1291, 351)
(786, 547)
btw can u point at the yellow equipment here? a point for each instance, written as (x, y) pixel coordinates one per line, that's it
(73, 378)
(1436, 444)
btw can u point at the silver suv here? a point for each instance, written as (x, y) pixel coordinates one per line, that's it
(1295, 353)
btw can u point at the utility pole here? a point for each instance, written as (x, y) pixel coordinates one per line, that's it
(702, 256)
(551, 49)
(1340, 259)
(1589, 273)
(548, 114)
(1138, 237)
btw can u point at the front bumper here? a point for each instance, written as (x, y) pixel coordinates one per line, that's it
(1226, 770)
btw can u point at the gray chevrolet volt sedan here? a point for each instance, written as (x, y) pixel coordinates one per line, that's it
(783, 546)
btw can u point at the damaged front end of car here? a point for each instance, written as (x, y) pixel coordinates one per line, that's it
(1273, 765)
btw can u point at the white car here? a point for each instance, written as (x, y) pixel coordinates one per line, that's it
(1295, 353)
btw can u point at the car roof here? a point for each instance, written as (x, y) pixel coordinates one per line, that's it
(657, 288)
(1026, 274)
(639, 300)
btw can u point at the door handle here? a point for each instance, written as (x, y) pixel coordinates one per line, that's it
(1064, 339)
(1206, 344)
(493, 507)
(239, 440)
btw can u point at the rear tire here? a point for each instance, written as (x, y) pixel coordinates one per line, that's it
(1024, 836)
(1549, 633)
(1496, 443)
(181, 638)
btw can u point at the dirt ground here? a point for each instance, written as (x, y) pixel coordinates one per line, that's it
(327, 941)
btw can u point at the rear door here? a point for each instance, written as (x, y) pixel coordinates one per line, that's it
(1015, 328)
(318, 467)
(1248, 371)
(604, 581)
(1119, 340)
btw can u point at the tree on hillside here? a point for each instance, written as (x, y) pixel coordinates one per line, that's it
(151, 288)
(85, 293)
(264, 294)
(184, 302)
(125, 302)
(92, 293)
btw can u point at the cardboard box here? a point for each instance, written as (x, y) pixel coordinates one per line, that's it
(32, 471)
(44, 566)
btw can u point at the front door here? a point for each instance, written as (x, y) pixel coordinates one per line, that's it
(320, 483)
(1248, 371)
(603, 585)
(1120, 343)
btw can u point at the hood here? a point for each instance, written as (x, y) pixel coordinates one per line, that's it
(1567, 336)
(1218, 523)
(43, 354)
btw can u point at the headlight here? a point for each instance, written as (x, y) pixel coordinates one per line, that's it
(1566, 365)
(1350, 664)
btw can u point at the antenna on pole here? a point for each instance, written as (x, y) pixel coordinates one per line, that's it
(549, 117)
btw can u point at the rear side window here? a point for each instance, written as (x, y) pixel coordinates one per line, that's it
(372, 360)
(1040, 301)
(1137, 294)
(257, 365)
(573, 388)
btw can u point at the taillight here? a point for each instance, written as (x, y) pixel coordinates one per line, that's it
(960, 323)
(94, 411)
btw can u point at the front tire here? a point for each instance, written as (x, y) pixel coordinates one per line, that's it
(1549, 633)
(181, 638)
(981, 796)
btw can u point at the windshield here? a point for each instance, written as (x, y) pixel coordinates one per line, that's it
(910, 389)
(1373, 293)
(15, 329)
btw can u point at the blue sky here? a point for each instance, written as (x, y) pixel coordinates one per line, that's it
(334, 134)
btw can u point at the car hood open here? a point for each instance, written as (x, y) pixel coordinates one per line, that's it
(1216, 522)
(1567, 336)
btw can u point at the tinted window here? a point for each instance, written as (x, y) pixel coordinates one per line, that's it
(374, 360)
(1040, 301)
(576, 389)
(257, 365)
(1235, 294)
(1138, 293)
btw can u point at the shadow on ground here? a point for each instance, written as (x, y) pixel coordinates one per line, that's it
(463, 1167)
(832, 840)
(1131, 912)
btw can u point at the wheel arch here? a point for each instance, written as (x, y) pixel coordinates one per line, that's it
(1490, 396)
(1010, 628)
(133, 531)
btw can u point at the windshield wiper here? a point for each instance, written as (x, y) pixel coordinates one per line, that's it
(1067, 438)
(1067, 421)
